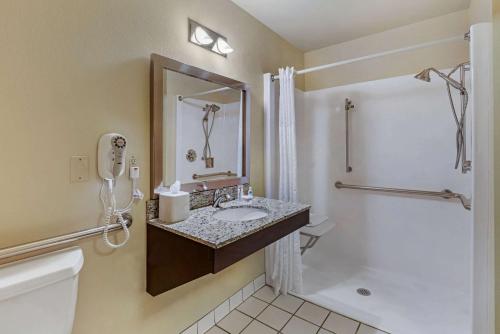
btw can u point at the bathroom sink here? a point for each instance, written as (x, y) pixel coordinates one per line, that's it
(241, 214)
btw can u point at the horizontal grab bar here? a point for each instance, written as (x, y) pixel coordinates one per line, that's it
(446, 194)
(59, 240)
(199, 176)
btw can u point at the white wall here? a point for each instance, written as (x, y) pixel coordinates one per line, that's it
(402, 135)
(483, 168)
(442, 55)
(223, 140)
(480, 11)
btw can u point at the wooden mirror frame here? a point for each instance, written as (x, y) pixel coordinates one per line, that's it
(158, 65)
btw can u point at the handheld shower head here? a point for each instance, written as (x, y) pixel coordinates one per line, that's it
(460, 119)
(425, 75)
(208, 109)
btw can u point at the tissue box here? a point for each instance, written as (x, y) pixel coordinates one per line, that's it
(174, 207)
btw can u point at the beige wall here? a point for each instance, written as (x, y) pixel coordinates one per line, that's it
(480, 11)
(440, 56)
(73, 70)
(496, 83)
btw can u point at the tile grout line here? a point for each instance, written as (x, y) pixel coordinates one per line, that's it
(268, 304)
(303, 302)
(236, 308)
(271, 304)
(251, 316)
(332, 311)
(248, 315)
(310, 322)
(261, 321)
(265, 308)
(293, 314)
(228, 300)
(222, 329)
(247, 324)
(324, 320)
(297, 316)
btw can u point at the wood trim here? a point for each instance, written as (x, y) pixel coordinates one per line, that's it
(232, 253)
(173, 260)
(160, 63)
(156, 125)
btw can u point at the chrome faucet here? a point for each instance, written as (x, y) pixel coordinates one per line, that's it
(220, 197)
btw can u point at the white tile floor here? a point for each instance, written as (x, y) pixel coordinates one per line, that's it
(265, 313)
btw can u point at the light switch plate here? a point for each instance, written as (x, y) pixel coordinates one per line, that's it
(79, 169)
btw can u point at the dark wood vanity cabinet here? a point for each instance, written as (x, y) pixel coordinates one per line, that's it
(173, 260)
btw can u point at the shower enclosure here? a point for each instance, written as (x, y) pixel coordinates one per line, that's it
(400, 262)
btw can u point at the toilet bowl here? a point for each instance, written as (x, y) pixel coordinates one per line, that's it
(38, 295)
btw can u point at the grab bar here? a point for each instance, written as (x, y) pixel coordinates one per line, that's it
(348, 107)
(59, 240)
(199, 176)
(446, 194)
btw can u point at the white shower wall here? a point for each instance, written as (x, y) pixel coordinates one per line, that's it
(402, 135)
(224, 140)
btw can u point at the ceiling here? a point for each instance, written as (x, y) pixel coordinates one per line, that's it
(313, 24)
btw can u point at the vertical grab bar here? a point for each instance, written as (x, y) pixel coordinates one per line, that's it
(348, 107)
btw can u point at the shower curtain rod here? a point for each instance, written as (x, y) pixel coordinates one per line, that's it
(181, 97)
(375, 55)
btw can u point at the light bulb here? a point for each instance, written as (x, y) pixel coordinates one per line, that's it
(201, 37)
(222, 47)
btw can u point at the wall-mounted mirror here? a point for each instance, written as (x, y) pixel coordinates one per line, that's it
(200, 127)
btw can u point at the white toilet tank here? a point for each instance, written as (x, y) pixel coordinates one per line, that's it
(38, 295)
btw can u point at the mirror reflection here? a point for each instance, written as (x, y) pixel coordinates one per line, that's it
(203, 136)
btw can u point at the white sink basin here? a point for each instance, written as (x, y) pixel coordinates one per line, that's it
(240, 214)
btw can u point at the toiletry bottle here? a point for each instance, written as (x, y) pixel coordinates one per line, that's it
(250, 193)
(240, 192)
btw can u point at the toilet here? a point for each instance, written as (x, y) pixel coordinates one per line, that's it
(38, 295)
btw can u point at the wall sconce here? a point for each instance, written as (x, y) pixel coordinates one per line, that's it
(208, 39)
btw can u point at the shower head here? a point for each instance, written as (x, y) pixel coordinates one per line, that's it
(208, 109)
(211, 108)
(425, 75)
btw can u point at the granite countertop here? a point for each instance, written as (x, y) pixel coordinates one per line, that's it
(202, 227)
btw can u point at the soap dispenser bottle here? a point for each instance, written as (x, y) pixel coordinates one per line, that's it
(250, 193)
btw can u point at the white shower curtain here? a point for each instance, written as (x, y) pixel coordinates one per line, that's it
(283, 258)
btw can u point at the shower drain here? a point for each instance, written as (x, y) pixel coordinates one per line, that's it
(364, 292)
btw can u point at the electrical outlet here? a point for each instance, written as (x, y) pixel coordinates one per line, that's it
(133, 161)
(79, 169)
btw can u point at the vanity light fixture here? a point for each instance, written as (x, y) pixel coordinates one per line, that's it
(201, 37)
(221, 46)
(208, 39)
